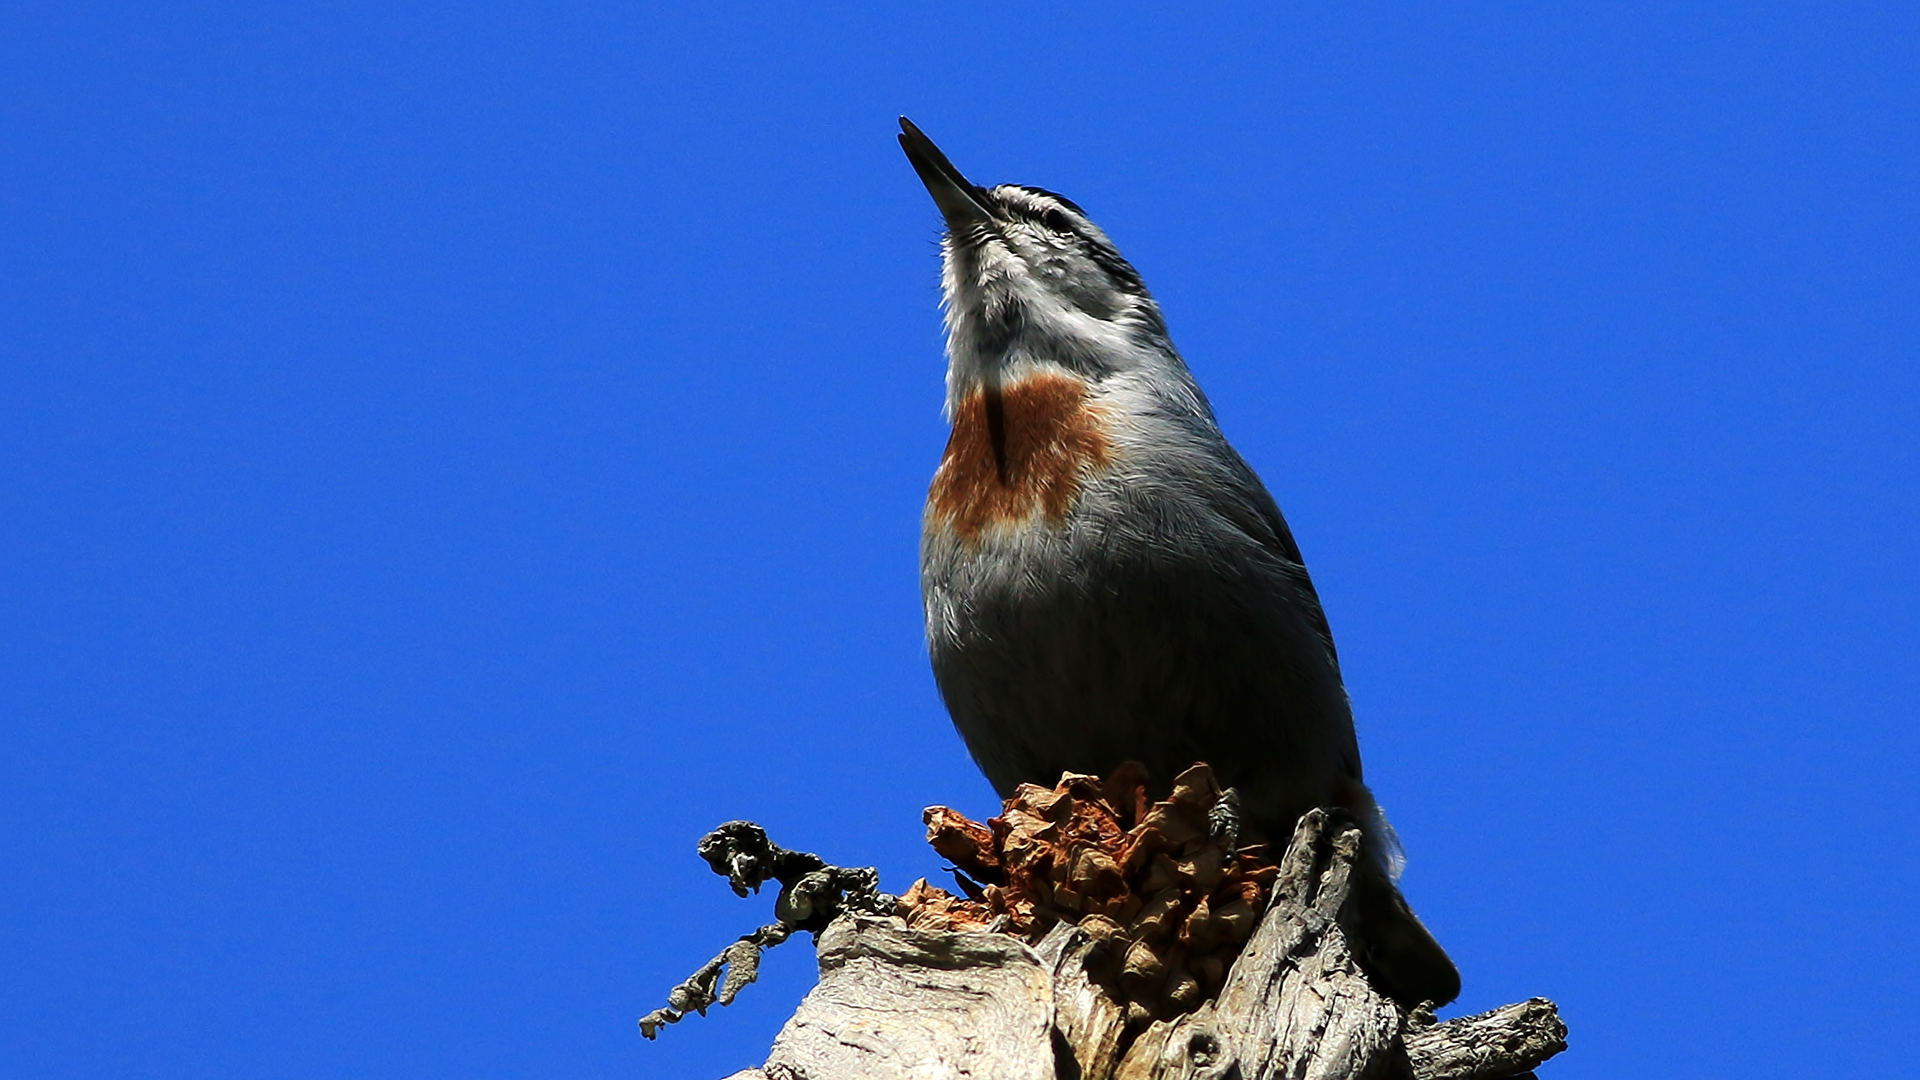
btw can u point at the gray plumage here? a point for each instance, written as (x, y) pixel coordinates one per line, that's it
(1105, 579)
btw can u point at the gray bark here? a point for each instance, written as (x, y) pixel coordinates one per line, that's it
(897, 1003)
(1509, 1041)
(1296, 1003)
(894, 1002)
(1092, 1025)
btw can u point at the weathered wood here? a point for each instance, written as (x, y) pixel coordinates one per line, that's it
(1296, 1004)
(897, 1003)
(1091, 1024)
(1507, 1042)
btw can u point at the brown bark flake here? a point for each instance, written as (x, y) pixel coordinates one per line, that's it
(1175, 903)
(1018, 452)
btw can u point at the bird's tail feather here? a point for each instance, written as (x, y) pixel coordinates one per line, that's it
(1392, 943)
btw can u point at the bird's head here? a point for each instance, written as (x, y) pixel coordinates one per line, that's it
(1030, 280)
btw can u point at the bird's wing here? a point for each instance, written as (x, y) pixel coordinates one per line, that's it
(1247, 503)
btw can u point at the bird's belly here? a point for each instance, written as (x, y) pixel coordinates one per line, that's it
(1060, 656)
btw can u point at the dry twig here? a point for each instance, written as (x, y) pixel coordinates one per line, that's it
(812, 893)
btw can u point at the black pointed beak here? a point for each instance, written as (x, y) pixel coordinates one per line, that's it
(960, 203)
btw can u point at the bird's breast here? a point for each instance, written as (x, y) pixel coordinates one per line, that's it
(1018, 455)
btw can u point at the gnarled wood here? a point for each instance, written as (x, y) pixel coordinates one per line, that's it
(899, 1003)
(1506, 1042)
(1092, 1025)
(1296, 1003)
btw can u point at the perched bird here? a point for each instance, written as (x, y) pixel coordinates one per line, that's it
(1105, 579)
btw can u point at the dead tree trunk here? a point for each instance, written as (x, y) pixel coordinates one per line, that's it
(899, 1003)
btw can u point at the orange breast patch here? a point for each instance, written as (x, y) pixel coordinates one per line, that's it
(1018, 451)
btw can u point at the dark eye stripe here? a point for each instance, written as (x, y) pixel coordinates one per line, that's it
(1051, 218)
(1057, 221)
(1055, 196)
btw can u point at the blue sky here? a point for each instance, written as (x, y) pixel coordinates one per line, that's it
(453, 455)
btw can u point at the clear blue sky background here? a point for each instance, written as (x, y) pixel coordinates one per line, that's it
(453, 455)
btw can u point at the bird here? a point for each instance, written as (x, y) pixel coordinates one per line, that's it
(1105, 579)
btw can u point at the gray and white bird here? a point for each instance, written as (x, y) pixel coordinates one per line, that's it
(1105, 578)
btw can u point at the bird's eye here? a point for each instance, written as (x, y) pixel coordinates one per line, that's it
(1055, 221)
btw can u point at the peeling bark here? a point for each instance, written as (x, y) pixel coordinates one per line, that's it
(985, 1001)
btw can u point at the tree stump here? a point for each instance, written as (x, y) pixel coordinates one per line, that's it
(893, 1002)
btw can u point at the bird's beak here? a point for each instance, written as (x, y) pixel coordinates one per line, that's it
(959, 202)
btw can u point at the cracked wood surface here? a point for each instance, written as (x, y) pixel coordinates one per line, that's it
(1509, 1041)
(930, 1005)
(1296, 1004)
(893, 1002)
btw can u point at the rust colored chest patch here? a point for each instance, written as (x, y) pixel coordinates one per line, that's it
(1016, 452)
